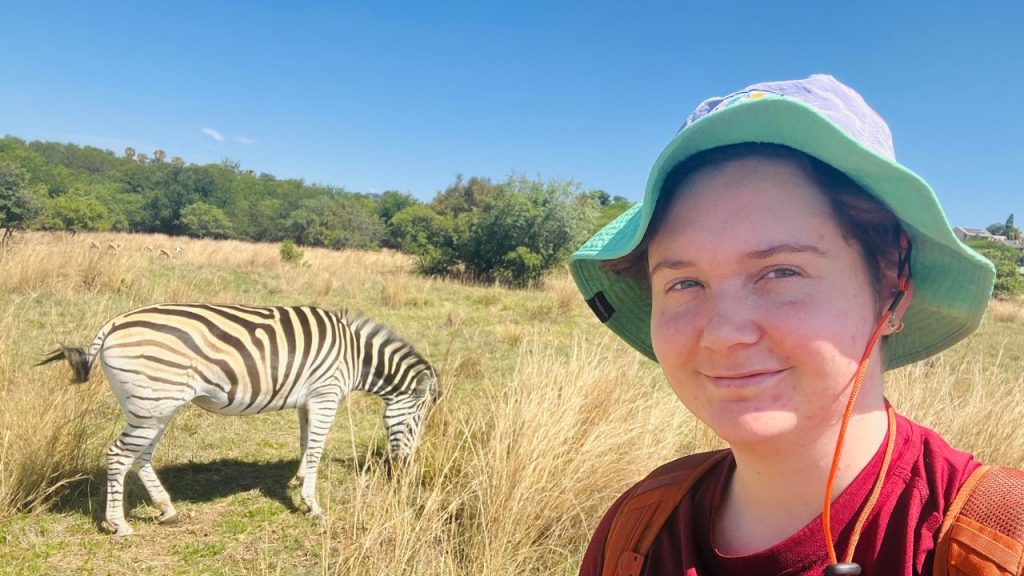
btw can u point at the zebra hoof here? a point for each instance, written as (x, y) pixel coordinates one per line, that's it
(118, 529)
(168, 519)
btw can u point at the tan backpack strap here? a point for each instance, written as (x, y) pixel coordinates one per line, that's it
(983, 531)
(646, 508)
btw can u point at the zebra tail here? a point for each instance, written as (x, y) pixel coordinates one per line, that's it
(79, 360)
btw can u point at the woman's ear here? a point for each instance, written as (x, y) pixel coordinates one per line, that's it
(901, 300)
(897, 289)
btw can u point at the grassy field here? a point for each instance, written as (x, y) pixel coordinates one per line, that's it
(546, 418)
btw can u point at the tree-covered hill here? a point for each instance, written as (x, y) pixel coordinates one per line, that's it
(509, 231)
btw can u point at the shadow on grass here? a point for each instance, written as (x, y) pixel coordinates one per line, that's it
(199, 482)
(191, 482)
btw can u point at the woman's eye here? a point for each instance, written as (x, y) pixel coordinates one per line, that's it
(684, 285)
(781, 273)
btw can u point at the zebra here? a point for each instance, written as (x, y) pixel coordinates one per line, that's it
(241, 360)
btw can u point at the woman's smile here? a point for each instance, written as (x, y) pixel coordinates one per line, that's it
(745, 379)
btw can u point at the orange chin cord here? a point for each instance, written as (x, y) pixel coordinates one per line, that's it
(858, 379)
(848, 567)
(873, 497)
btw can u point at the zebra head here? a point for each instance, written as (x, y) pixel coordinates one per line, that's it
(404, 415)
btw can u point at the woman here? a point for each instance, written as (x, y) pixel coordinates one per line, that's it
(777, 244)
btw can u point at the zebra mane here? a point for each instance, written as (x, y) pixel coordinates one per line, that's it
(368, 327)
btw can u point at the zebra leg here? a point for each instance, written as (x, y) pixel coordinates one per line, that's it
(132, 442)
(322, 409)
(160, 498)
(303, 443)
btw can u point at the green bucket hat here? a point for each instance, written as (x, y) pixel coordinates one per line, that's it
(825, 119)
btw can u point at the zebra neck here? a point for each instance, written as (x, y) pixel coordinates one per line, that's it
(387, 364)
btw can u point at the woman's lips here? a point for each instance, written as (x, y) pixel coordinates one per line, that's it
(745, 379)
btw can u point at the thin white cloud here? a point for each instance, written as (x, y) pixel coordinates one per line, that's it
(213, 134)
(244, 140)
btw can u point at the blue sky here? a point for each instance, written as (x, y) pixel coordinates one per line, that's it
(375, 96)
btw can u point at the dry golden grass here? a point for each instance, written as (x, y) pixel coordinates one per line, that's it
(47, 438)
(1007, 311)
(546, 419)
(516, 488)
(973, 394)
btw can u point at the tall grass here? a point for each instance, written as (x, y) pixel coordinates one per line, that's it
(546, 419)
(516, 488)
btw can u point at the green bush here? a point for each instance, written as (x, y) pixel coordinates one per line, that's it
(205, 221)
(520, 267)
(511, 232)
(82, 209)
(19, 202)
(290, 252)
(428, 236)
(339, 221)
(389, 205)
(525, 229)
(1007, 261)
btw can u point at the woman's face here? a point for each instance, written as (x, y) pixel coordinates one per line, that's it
(761, 308)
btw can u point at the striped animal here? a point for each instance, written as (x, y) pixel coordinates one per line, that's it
(247, 360)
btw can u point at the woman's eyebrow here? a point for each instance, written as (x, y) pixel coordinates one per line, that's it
(680, 264)
(785, 249)
(671, 265)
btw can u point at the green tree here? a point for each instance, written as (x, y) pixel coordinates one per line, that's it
(1012, 232)
(43, 169)
(1006, 229)
(420, 231)
(602, 197)
(338, 221)
(464, 196)
(1007, 261)
(997, 229)
(525, 228)
(78, 210)
(390, 204)
(205, 221)
(19, 203)
(266, 220)
(172, 189)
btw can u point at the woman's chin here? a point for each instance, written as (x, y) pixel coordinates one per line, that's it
(753, 427)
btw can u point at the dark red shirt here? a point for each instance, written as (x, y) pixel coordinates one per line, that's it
(898, 538)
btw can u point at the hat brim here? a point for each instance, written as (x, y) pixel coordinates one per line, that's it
(953, 284)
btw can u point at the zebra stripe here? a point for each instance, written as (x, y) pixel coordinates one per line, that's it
(232, 359)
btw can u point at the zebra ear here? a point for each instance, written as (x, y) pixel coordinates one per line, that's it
(427, 384)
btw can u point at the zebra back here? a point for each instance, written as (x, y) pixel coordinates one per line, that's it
(243, 359)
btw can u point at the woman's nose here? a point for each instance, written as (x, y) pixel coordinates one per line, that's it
(730, 320)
